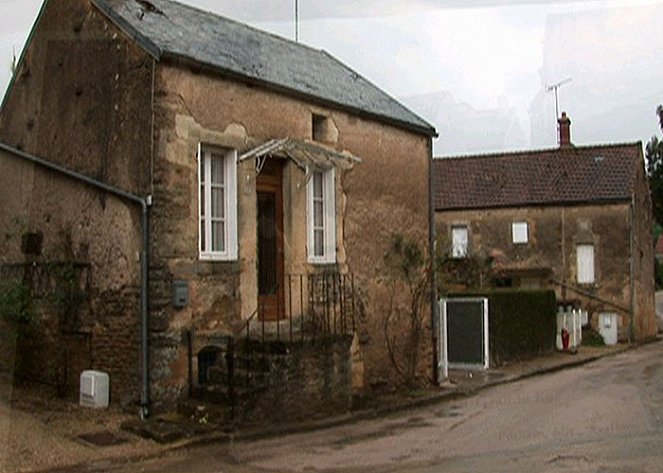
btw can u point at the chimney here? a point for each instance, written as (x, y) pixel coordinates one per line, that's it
(564, 126)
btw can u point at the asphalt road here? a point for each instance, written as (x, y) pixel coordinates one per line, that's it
(604, 417)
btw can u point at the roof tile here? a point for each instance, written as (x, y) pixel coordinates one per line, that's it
(557, 176)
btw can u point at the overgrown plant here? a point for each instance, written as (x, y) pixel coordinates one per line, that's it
(16, 309)
(405, 322)
(67, 294)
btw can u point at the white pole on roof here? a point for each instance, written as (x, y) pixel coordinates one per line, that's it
(296, 21)
(555, 88)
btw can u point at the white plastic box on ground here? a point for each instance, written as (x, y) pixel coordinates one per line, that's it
(94, 389)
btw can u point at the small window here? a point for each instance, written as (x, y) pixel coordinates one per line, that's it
(459, 241)
(585, 260)
(519, 232)
(217, 203)
(319, 127)
(321, 220)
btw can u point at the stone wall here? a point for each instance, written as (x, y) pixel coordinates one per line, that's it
(81, 98)
(76, 229)
(305, 381)
(643, 259)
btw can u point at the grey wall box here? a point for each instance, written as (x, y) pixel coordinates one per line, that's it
(180, 294)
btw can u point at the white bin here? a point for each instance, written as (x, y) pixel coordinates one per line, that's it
(94, 389)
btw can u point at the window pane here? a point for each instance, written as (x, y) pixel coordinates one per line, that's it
(317, 185)
(319, 244)
(203, 242)
(202, 201)
(202, 168)
(217, 168)
(218, 237)
(318, 214)
(218, 207)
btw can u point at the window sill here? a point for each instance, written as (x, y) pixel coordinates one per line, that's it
(322, 262)
(212, 266)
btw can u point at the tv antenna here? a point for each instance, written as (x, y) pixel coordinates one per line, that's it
(555, 88)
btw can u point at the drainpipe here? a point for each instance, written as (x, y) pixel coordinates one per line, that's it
(435, 322)
(631, 322)
(145, 204)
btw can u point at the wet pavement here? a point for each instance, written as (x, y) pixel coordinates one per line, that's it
(63, 437)
(597, 417)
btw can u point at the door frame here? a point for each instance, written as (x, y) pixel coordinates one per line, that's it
(272, 183)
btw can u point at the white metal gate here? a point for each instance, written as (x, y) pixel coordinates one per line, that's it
(463, 334)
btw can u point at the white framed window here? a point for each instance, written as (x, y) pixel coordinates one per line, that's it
(459, 241)
(217, 203)
(321, 217)
(519, 234)
(585, 260)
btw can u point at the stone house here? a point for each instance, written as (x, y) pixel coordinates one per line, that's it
(210, 177)
(574, 218)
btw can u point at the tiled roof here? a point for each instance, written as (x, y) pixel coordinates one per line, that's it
(561, 176)
(169, 29)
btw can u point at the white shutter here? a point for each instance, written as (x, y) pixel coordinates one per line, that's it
(459, 240)
(519, 232)
(585, 257)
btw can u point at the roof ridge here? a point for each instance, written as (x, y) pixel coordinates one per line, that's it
(526, 152)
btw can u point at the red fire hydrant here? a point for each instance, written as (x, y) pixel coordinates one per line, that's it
(565, 339)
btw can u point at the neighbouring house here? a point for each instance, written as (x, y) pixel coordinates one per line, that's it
(203, 179)
(575, 218)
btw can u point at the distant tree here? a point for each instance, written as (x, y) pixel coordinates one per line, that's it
(654, 156)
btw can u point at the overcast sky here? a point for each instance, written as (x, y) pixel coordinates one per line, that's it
(477, 70)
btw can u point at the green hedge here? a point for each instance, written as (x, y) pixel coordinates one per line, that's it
(521, 323)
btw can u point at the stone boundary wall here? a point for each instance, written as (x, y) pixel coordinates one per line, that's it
(309, 380)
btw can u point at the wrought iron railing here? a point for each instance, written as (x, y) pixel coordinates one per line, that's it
(316, 304)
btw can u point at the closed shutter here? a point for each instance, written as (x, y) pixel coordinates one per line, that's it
(585, 256)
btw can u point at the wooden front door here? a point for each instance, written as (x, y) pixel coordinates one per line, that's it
(271, 290)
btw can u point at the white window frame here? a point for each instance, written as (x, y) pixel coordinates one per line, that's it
(458, 251)
(230, 203)
(329, 217)
(586, 264)
(519, 233)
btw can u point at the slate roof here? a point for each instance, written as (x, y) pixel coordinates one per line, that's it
(169, 29)
(561, 176)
